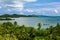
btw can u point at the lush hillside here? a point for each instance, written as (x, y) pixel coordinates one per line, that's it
(17, 15)
(9, 31)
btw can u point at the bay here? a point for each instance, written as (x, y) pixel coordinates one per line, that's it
(33, 21)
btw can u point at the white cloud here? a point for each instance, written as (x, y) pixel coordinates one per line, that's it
(21, 13)
(0, 7)
(56, 11)
(52, 8)
(43, 10)
(29, 10)
(30, 0)
(17, 4)
(9, 10)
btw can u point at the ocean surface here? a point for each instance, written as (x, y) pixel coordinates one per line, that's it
(33, 21)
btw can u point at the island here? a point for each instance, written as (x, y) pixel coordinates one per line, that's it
(6, 18)
(16, 15)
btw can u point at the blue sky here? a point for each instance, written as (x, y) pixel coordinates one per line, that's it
(29, 7)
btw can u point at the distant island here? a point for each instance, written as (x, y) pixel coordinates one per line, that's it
(20, 15)
(17, 15)
(7, 18)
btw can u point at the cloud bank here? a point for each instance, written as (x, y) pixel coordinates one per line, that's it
(29, 6)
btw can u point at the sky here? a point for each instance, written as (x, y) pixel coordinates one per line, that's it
(30, 7)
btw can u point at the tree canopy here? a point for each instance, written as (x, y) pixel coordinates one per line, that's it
(9, 31)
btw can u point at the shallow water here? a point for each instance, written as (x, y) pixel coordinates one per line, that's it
(33, 21)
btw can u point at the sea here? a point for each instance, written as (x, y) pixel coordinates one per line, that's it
(46, 22)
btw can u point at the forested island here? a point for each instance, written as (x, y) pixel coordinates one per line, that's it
(5, 18)
(22, 15)
(17, 15)
(8, 16)
(12, 31)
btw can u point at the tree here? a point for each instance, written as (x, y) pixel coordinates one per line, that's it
(15, 23)
(58, 25)
(51, 29)
(6, 24)
(5, 15)
(39, 26)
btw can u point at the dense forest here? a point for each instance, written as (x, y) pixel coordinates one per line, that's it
(17, 15)
(12, 31)
(10, 16)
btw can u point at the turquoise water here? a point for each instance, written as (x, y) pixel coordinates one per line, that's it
(33, 21)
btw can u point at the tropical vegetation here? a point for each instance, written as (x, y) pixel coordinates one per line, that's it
(12, 31)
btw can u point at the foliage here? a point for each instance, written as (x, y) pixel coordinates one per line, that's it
(9, 31)
(17, 15)
(39, 26)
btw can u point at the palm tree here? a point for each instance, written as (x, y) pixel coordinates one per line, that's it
(39, 26)
(58, 25)
(15, 23)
